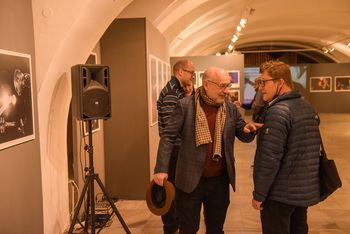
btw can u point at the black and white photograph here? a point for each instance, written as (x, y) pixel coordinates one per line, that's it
(342, 83)
(95, 126)
(321, 84)
(16, 101)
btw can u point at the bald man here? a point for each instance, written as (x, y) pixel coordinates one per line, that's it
(207, 124)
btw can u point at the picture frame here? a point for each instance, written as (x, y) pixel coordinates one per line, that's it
(342, 83)
(233, 95)
(95, 125)
(234, 74)
(159, 74)
(320, 84)
(16, 99)
(199, 79)
(153, 89)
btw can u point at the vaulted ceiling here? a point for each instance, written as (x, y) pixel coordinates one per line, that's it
(206, 27)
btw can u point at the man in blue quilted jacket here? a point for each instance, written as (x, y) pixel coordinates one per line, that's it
(286, 162)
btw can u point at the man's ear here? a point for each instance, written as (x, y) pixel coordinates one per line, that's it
(205, 85)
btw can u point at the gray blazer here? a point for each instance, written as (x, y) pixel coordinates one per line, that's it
(191, 158)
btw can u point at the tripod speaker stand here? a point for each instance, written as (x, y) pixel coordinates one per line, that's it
(89, 189)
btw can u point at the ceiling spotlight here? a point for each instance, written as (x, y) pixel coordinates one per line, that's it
(347, 45)
(230, 47)
(243, 22)
(218, 54)
(331, 49)
(226, 53)
(239, 28)
(235, 37)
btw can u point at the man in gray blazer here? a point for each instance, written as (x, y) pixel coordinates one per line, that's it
(207, 125)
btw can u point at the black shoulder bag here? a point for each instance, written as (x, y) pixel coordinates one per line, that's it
(329, 177)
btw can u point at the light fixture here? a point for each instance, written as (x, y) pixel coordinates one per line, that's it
(230, 47)
(239, 28)
(218, 54)
(243, 22)
(347, 45)
(331, 49)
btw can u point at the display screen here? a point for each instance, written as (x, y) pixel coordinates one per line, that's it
(299, 75)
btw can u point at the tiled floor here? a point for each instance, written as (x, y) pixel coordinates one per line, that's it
(329, 217)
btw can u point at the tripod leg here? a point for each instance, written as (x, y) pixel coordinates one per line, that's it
(87, 182)
(92, 200)
(115, 210)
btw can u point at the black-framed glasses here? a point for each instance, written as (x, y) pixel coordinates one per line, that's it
(191, 72)
(262, 82)
(221, 86)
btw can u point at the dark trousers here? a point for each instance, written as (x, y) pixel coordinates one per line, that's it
(214, 194)
(170, 220)
(277, 217)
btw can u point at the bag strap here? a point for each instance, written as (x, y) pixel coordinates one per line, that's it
(323, 155)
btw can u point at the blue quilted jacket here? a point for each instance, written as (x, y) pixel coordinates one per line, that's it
(287, 157)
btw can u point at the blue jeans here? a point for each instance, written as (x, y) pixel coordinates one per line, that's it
(214, 194)
(277, 217)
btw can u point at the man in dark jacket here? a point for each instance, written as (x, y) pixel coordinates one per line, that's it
(286, 162)
(174, 90)
(207, 125)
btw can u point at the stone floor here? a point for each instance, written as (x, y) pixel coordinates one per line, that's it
(329, 217)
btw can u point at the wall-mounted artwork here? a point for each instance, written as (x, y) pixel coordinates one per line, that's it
(199, 79)
(95, 126)
(159, 76)
(16, 99)
(234, 78)
(321, 84)
(233, 95)
(342, 83)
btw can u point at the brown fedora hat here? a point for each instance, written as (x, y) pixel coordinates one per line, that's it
(159, 198)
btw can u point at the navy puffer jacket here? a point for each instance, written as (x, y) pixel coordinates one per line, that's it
(287, 157)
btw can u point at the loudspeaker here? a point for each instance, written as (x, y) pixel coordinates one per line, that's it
(91, 97)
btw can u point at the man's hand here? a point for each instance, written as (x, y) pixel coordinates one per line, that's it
(252, 127)
(160, 177)
(237, 103)
(256, 204)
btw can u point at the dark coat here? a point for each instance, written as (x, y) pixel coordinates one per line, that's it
(287, 157)
(191, 158)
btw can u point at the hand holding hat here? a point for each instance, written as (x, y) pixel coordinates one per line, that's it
(159, 198)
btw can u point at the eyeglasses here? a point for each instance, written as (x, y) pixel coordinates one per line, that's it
(221, 86)
(262, 82)
(191, 72)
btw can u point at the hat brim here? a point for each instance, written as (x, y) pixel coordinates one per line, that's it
(170, 196)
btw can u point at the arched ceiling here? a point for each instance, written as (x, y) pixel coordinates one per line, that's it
(206, 27)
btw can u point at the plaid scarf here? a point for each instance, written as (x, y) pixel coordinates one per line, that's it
(202, 127)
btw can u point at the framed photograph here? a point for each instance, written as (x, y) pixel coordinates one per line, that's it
(234, 74)
(233, 95)
(199, 79)
(153, 89)
(95, 126)
(16, 99)
(321, 84)
(342, 83)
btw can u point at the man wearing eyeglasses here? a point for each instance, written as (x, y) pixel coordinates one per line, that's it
(286, 162)
(173, 91)
(207, 124)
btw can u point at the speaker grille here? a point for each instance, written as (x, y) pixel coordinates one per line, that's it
(96, 101)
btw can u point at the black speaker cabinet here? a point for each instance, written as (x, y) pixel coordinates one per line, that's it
(91, 97)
